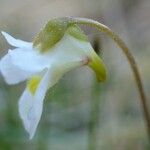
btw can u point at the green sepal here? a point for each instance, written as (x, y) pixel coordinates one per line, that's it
(53, 32)
(76, 32)
(50, 34)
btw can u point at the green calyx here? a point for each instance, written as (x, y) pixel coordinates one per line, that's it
(50, 35)
(77, 33)
(53, 32)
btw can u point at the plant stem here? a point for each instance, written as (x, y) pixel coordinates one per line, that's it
(126, 51)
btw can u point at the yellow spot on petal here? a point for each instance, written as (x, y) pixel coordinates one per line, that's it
(33, 84)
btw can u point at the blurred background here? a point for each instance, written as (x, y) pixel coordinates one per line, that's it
(80, 113)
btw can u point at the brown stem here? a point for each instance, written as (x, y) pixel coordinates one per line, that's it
(130, 58)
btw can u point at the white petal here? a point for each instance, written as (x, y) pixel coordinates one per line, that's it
(15, 42)
(12, 74)
(64, 56)
(31, 106)
(20, 64)
(70, 49)
(28, 60)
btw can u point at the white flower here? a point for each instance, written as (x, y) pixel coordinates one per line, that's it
(42, 65)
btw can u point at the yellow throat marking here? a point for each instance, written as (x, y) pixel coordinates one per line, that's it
(33, 84)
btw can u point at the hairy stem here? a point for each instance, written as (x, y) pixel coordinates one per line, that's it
(130, 58)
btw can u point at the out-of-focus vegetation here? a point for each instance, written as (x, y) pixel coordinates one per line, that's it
(80, 113)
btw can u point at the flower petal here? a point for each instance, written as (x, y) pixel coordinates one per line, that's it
(15, 42)
(68, 50)
(31, 104)
(12, 74)
(28, 60)
(20, 64)
(31, 101)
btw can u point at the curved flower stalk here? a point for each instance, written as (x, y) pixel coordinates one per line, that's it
(57, 49)
(102, 28)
